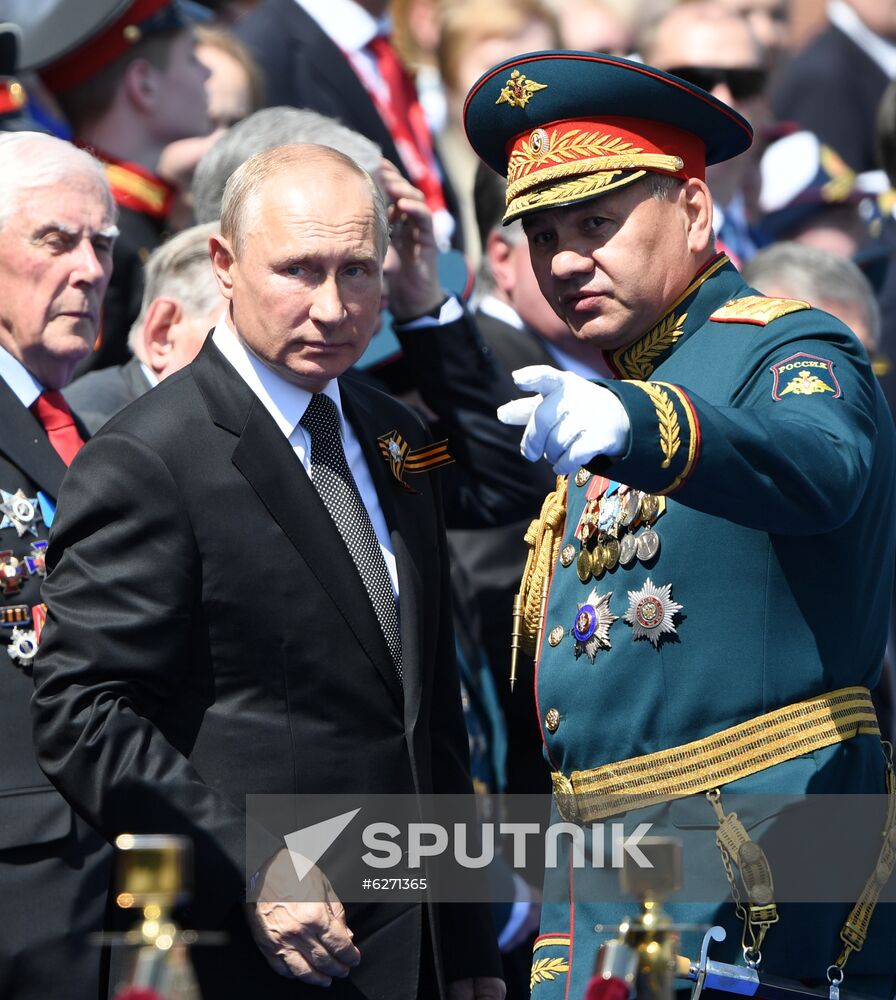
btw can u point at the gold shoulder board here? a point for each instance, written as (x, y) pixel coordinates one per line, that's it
(757, 309)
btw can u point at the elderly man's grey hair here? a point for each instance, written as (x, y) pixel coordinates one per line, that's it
(180, 269)
(30, 160)
(264, 130)
(822, 278)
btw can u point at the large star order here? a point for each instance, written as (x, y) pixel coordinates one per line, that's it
(18, 511)
(598, 636)
(650, 612)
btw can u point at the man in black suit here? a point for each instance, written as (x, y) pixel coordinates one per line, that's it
(181, 303)
(337, 58)
(246, 638)
(56, 234)
(833, 86)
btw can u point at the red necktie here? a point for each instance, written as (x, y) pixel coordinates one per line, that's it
(52, 411)
(406, 122)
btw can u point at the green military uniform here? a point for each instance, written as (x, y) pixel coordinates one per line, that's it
(781, 491)
(709, 608)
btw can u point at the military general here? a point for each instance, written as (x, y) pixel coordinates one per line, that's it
(708, 586)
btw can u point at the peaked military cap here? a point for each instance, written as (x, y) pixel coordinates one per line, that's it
(68, 42)
(567, 126)
(801, 177)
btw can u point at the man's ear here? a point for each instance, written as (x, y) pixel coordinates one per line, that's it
(223, 260)
(498, 252)
(161, 318)
(697, 203)
(140, 84)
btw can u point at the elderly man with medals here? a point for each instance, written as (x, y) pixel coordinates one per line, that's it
(707, 589)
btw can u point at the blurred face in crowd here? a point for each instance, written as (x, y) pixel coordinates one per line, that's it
(718, 53)
(594, 27)
(228, 87)
(229, 100)
(55, 264)
(769, 20)
(611, 266)
(716, 50)
(508, 254)
(172, 337)
(305, 284)
(481, 54)
(180, 95)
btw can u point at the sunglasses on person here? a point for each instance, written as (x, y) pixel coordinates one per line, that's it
(742, 82)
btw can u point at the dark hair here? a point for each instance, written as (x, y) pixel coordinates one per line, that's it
(89, 101)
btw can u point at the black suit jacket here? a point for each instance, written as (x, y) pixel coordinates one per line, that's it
(232, 650)
(304, 68)
(492, 552)
(99, 395)
(833, 88)
(53, 872)
(511, 347)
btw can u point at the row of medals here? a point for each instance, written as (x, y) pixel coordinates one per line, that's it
(24, 514)
(607, 529)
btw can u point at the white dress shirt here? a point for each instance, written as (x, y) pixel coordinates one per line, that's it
(287, 403)
(352, 28)
(878, 48)
(23, 384)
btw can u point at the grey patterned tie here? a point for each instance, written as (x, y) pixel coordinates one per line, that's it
(333, 480)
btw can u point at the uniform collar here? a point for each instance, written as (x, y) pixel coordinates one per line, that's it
(688, 312)
(135, 187)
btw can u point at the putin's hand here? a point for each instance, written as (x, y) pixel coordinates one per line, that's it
(570, 422)
(300, 928)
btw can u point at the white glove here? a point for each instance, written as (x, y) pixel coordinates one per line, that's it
(571, 420)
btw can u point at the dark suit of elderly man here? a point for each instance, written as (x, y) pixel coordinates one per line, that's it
(56, 235)
(242, 641)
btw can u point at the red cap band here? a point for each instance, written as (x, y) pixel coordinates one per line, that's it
(103, 49)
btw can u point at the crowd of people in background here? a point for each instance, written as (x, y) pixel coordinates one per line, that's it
(809, 212)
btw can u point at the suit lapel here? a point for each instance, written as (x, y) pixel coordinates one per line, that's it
(405, 532)
(265, 458)
(26, 445)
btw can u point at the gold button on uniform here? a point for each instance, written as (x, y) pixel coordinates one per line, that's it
(567, 555)
(552, 720)
(556, 635)
(582, 477)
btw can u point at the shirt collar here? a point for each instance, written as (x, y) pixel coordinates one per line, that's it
(880, 49)
(492, 306)
(149, 374)
(346, 22)
(19, 379)
(285, 401)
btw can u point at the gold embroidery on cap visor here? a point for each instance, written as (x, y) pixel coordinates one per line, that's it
(548, 169)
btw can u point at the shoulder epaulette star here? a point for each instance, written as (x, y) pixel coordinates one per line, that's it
(757, 309)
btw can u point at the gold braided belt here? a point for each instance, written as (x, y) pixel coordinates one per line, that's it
(588, 796)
